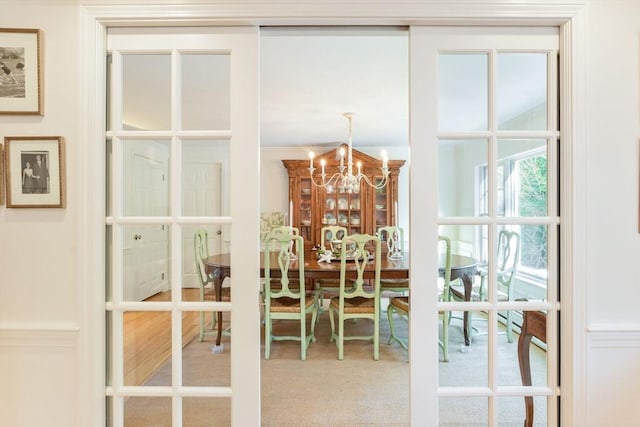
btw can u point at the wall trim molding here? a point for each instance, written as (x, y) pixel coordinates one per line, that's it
(39, 335)
(607, 335)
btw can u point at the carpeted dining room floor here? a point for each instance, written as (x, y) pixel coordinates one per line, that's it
(358, 391)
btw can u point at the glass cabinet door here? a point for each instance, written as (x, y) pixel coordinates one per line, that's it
(305, 208)
(342, 208)
(381, 208)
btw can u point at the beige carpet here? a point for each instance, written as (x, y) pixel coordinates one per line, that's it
(358, 391)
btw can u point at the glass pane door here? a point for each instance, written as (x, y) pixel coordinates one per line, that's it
(492, 128)
(174, 160)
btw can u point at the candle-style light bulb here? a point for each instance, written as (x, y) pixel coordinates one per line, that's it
(341, 157)
(384, 159)
(322, 162)
(311, 159)
(359, 168)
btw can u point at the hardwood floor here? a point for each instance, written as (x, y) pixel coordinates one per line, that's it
(147, 338)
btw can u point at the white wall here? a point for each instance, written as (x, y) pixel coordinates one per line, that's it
(39, 288)
(613, 290)
(40, 293)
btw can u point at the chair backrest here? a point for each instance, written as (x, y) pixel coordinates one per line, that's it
(201, 251)
(508, 256)
(286, 229)
(286, 284)
(360, 258)
(332, 232)
(444, 250)
(393, 236)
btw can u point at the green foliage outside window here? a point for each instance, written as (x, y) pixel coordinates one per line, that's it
(533, 202)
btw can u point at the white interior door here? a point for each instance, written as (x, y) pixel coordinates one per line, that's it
(202, 193)
(183, 109)
(146, 248)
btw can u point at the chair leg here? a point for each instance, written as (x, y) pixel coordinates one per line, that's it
(392, 329)
(340, 337)
(445, 337)
(303, 334)
(201, 337)
(376, 337)
(314, 318)
(320, 304)
(267, 337)
(333, 328)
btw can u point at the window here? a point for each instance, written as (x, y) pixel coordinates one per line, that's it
(521, 192)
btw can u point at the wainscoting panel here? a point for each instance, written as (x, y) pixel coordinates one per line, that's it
(39, 375)
(613, 375)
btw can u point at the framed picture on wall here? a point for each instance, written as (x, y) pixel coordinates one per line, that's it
(34, 171)
(20, 72)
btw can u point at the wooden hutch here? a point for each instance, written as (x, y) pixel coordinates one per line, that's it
(360, 212)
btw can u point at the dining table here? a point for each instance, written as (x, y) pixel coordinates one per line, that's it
(218, 267)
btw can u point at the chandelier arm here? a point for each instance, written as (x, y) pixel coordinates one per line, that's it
(380, 185)
(333, 179)
(345, 179)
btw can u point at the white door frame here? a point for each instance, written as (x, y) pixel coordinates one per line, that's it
(568, 15)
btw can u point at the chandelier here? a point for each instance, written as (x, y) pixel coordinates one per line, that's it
(345, 180)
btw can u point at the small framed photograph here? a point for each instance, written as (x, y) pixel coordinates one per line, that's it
(34, 171)
(20, 72)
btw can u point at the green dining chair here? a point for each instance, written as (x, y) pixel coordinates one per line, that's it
(331, 232)
(392, 237)
(401, 305)
(507, 259)
(357, 297)
(207, 291)
(330, 286)
(286, 229)
(285, 294)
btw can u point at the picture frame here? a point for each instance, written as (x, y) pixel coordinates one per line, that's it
(34, 171)
(20, 71)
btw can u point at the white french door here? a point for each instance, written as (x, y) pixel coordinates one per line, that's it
(227, 135)
(182, 140)
(484, 122)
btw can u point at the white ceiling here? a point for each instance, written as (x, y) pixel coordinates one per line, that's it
(310, 77)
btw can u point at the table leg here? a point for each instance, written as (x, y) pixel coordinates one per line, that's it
(466, 275)
(468, 286)
(219, 274)
(218, 289)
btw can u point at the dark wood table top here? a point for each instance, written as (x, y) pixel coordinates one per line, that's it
(389, 269)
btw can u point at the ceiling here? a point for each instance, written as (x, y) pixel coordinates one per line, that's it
(310, 77)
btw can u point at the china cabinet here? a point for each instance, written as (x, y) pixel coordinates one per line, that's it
(360, 211)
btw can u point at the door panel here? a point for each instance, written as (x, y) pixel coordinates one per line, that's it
(170, 175)
(483, 104)
(146, 249)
